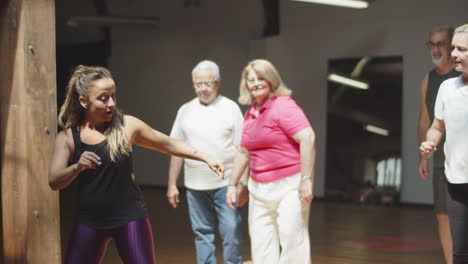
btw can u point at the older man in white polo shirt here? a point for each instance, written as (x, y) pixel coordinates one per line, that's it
(213, 124)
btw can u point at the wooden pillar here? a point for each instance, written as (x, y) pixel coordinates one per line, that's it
(30, 209)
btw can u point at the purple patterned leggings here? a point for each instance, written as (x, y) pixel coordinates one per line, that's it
(134, 242)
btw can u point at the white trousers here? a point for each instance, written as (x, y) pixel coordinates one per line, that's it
(278, 222)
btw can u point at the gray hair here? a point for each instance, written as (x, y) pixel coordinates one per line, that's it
(462, 29)
(444, 28)
(206, 65)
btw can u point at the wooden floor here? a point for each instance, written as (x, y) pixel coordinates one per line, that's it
(340, 233)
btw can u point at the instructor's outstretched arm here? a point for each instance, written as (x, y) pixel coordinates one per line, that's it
(143, 135)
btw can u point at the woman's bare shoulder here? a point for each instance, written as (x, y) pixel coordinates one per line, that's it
(131, 121)
(132, 125)
(65, 137)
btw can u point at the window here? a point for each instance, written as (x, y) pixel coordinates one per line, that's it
(389, 172)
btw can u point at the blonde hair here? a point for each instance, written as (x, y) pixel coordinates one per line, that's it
(264, 69)
(462, 29)
(72, 114)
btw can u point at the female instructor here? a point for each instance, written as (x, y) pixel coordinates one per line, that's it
(94, 149)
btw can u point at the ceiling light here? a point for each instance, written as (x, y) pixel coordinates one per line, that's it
(347, 81)
(343, 3)
(377, 130)
(111, 21)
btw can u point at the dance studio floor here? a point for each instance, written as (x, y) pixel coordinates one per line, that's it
(340, 233)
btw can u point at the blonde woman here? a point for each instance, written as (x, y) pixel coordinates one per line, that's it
(95, 150)
(451, 118)
(278, 143)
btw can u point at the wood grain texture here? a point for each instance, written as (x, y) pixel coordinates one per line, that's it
(30, 209)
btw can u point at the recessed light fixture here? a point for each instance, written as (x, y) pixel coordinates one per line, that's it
(347, 81)
(377, 130)
(343, 3)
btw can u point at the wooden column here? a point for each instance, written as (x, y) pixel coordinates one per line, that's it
(30, 209)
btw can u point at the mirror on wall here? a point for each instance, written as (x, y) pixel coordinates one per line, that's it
(363, 147)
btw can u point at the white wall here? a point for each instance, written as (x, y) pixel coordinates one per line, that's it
(312, 34)
(152, 66)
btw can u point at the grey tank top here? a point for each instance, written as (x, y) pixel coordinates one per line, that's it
(433, 84)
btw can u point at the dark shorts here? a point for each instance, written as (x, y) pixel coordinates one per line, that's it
(457, 204)
(439, 185)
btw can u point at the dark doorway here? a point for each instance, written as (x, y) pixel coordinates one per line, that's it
(364, 130)
(71, 55)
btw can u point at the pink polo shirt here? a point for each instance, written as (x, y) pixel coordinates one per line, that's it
(274, 154)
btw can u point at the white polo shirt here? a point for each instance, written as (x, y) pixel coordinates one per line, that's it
(214, 129)
(452, 107)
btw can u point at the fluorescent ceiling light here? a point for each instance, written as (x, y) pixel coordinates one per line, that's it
(110, 21)
(377, 130)
(344, 3)
(347, 81)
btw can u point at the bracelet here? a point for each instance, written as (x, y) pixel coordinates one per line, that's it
(231, 184)
(305, 178)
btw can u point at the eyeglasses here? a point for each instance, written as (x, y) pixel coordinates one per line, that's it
(438, 45)
(251, 82)
(207, 84)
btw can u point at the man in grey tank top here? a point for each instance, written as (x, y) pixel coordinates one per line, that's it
(439, 45)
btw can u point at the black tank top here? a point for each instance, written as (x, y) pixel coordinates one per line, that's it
(433, 84)
(108, 197)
